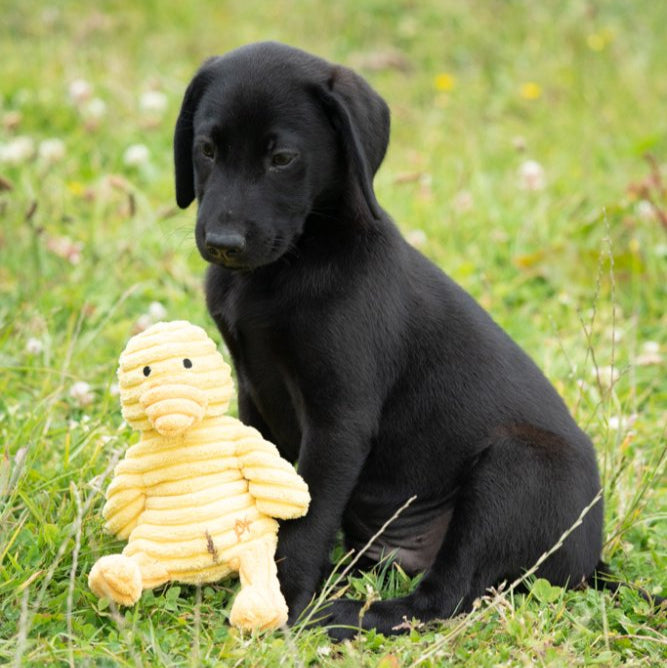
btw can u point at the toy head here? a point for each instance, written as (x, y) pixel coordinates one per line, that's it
(171, 376)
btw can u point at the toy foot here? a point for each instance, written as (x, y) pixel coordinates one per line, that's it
(256, 608)
(116, 577)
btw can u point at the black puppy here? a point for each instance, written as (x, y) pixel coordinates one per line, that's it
(360, 359)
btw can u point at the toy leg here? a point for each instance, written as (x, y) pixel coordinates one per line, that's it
(260, 604)
(116, 577)
(153, 573)
(122, 578)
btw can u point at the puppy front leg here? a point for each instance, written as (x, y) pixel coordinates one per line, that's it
(330, 463)
(250, 415)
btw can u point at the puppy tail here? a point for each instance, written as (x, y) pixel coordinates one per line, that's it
(604, 579)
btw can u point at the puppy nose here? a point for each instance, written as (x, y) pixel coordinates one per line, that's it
(224, 245)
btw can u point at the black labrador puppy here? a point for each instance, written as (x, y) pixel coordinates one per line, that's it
(362, 360)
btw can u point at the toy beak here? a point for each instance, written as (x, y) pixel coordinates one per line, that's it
(174, 408)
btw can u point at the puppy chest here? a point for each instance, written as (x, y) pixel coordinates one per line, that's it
(279, 405)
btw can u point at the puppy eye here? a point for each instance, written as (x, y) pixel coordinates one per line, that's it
(208, 150)
(187, 363)
(147, 371)
(282, 158)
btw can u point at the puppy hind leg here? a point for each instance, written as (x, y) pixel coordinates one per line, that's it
(447, 588)
(522, 498)
(513, 506)
(443, 592)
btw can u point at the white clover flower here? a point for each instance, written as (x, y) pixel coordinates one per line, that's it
(616, 423)
(651, 347)
(82, 393)
(65, 248)
(614, 334)
(645, 211)
(621, 423)
(531, 175)
(34, 346)
(157, 311)
(51, 150)
(143, 322)
(114, 389)
(136, 155)
(650, 354)
(153, 102)
(80, 91)
(607, 375)
(95, 109)
(17, 151)
(463, 201)
(50, 15)
(416, 238)
(565, 298)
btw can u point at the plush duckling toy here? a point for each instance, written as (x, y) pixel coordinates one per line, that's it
(196, 497)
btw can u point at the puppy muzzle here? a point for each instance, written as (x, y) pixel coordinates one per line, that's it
(174, 408)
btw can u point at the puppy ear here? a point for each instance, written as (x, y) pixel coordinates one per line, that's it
(361, 119)
(184, 135)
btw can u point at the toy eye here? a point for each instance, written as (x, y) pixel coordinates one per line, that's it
(147, 371)
(187, 363)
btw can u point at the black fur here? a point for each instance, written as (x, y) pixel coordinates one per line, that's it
(361, 359)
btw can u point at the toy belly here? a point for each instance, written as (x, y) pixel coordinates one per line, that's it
(195, 535)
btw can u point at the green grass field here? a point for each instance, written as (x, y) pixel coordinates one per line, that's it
(528, 159)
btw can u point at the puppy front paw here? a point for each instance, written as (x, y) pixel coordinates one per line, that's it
(342, 618)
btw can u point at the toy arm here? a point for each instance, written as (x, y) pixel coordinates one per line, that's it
(278, 489)
(125, 503)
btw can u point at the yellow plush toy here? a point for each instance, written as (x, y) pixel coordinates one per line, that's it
(196, 497)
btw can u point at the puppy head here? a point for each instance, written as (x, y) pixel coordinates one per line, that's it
(267, 136)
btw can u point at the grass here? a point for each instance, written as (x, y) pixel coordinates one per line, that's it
(92, 246)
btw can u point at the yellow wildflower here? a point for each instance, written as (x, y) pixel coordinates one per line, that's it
(531, 90)
(445, 81)
(598, 41)
(76, 187)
